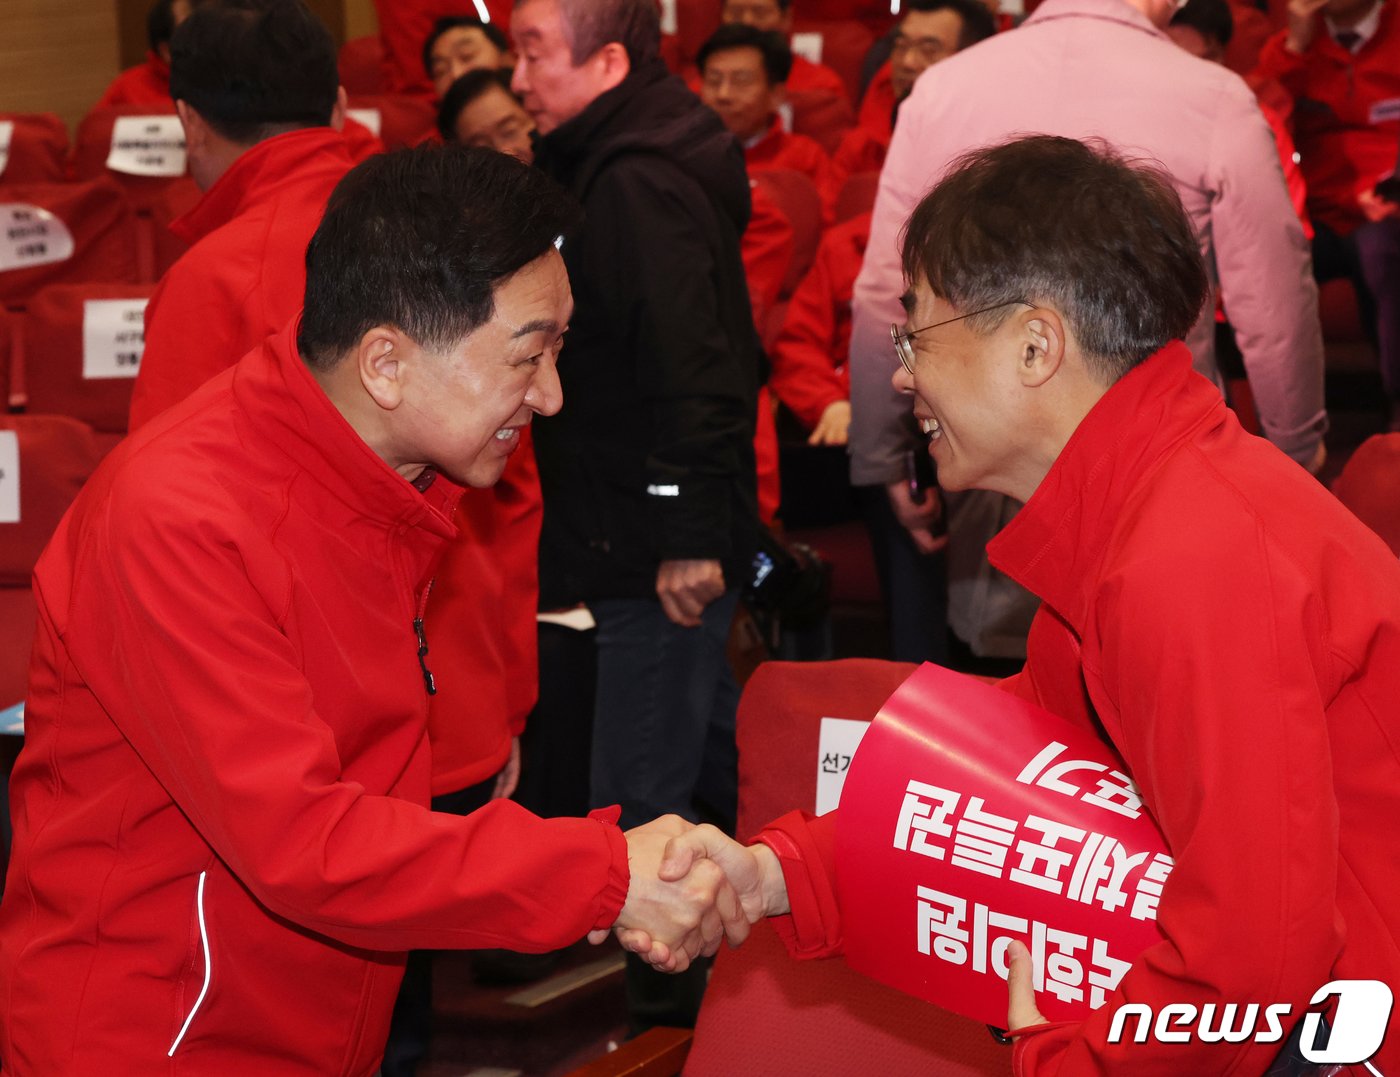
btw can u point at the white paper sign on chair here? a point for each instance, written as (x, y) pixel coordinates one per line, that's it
(9, 477)
(147, 146)
(114, 336)
(32, 236)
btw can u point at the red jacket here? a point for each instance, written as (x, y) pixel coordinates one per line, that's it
(244, 277)
(807, 77)
(877, 106)
(481, 622)
(147, 83)
(766, 248)
(221, 839)
(809, 359)
(858, 151)
(1236, 633)
(1346, 115)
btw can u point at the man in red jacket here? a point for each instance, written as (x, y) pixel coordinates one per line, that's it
(1206, 605)
(256, 88)
(776, 16)
(148, 83)
(222, 843)
(1340, 60)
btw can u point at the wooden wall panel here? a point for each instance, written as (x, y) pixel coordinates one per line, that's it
(56, 55)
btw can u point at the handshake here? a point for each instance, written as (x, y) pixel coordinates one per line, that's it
(691, 887)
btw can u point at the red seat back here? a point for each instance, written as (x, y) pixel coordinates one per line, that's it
(1369, 485)
(857, 195)
(403, 120)
(765, 1013)
(82, 348)
(72, 232)
(822, 116)
(38, 148)
(796, 195)
(93, 148)
(844, 45)
(361, 63)
(56, 456)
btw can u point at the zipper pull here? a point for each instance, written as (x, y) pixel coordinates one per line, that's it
(423, 656)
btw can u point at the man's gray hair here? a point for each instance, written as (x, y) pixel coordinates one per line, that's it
(591, 24)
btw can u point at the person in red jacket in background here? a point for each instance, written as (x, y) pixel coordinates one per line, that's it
(776, 16)
(480, 109)
(1340, 60)
(743, 77)
(255, 86)
(927, 32)
(405, 25)
(808, 360)
(766, 250)
(460, 43)
(1207, 607)
(148, 83)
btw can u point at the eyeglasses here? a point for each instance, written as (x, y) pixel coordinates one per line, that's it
(904, 342)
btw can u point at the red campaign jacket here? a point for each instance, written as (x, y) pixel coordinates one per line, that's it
(147, 83)
(219, 810)
(858, 151)
(1236, 632)
(1346, 117)
(807, 77)
(481, 627)
(877, 106)
(244, 276)
(766, 249)
(809, 359)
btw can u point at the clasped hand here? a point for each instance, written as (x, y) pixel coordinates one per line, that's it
(691, 888)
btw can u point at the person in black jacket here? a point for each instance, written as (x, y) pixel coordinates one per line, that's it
(650, 514)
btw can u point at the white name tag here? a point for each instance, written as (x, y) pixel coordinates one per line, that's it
(1386, 111)
(147, 146)
(808, 46)
(836, 746)
(32, 236)
(7, 134)
(9, 477)
(367, 117)
(114, 336)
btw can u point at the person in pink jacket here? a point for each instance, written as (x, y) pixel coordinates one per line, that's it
(1207, 608)
(1106, 69)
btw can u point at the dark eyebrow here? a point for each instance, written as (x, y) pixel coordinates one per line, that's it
(907, 302)
(539, 326)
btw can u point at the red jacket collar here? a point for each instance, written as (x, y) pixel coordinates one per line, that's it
(263, 172)
(287, 406)
(1055, 543)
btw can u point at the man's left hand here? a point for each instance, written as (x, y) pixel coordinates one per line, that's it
(685, 588)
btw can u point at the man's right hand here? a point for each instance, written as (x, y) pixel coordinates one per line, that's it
(685, 588)
(1302, 24)
(918, 519)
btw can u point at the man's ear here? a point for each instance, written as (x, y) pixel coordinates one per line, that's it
(614, 64)
(338, 110)
(1042, 344)
(382, 358)
(196, 129)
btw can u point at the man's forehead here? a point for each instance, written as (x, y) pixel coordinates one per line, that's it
(930, 25)
(745, 56)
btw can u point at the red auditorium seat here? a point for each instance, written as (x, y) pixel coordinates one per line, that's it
(765, 1013)
(399, 119)
(35, 150)
(56, 454)
(822, 116)
(1369, 485)
(796, 195)
(361, 65)
(82, 347)
(9, 327)
(857, 195)
(68, 232)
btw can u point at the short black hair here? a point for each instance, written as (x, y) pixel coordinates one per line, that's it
(1044, 219)
(977, 22)
(253, 68)
(1209, 18)
(464, 91)
(494, 34)
(420, 239)
(777, 55)
(591, 24)
(160, 22)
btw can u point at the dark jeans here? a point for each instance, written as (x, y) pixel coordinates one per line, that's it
(663, 742)
(914, 585)
(663, 724)
(411, 1028)
(1370, 258)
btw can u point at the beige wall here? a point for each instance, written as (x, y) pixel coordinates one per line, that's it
(360, 19)
(56, 55)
